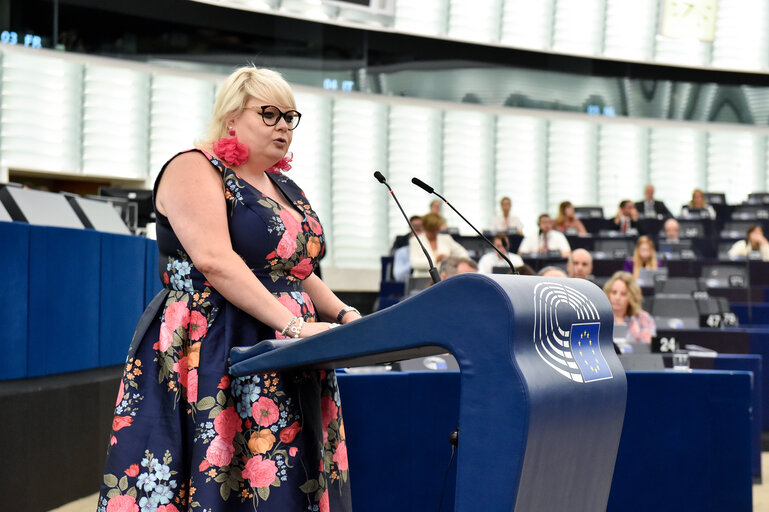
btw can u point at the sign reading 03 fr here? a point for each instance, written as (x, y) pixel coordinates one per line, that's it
(566, 328)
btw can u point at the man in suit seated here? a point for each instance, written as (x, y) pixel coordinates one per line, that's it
(650, 207)
(626, 220)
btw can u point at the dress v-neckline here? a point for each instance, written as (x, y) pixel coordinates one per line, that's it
(294, 207)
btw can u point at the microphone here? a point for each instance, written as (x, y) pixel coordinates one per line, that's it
(434, 275)
(430, 190)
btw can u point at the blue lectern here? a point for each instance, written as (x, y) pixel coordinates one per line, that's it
(542, 396)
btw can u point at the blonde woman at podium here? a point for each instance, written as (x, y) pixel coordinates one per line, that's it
(238, 243)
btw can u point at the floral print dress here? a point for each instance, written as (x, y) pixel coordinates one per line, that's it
(185, 435)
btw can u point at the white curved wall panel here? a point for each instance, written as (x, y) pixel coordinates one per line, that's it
(521, 167)
(180, 110)
(116, 105)
(468, 160)
(414, 150)
(359, 208)
(40, 107)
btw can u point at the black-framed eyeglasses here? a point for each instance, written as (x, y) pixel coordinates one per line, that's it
(271, 115)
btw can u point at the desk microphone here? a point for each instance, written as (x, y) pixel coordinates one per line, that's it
(434, 275)
(430, 190)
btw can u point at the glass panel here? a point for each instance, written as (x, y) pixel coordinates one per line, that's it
(414, 149)
(630, 29)
(571, 163)
(742, 35)
(622, 164)
(180, 109)
(521, 167)
(527, 24)
(40, 113)
(115, 122)
(359, 208)
(676, 164)
(424, 17)
(578, 27)
(734, 164)
(474, 20)
(468, 159)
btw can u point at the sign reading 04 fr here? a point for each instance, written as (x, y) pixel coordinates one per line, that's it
(566, 328)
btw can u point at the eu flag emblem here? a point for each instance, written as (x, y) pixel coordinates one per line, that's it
(587, 354)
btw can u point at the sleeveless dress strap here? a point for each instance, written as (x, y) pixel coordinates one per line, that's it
(205, 153)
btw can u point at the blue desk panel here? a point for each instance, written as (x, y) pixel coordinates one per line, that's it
(743, 362)
(686, 442)
(743, 340)
(397, 428)
(14, 287)
(64, 274)
(123, 260)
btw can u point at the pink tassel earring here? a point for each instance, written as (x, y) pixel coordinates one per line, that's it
(284, 164)
(231, 150)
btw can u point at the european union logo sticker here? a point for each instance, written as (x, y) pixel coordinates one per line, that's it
(586, 352)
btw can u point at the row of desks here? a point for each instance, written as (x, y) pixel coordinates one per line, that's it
(73, 297)
(686, 441)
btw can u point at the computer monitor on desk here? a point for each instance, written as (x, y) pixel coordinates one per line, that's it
(680, 250)
(649, 276)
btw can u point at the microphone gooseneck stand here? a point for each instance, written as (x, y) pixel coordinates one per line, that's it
(434, 275)
(430, 190)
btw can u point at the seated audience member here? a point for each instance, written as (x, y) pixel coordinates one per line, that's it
(698, 207)
(650, 207)
(492, 258)
(507, 223)
(672, 230)
(644, 256)
(547, 240)
(526, 270)
(439, 246)
(626, 220)
(625, 298)
(452, 266)
(401, 256)
(580, 264)
(754, 243)
(435, 207)
(551, 271)
(567, 222)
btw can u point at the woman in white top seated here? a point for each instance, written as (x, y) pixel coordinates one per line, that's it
(755, 242)
(698, 207)
(549, 239)
(439, 246)
(507, 223)
(492, 258)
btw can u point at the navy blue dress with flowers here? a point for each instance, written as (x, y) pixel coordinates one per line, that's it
(186, 436)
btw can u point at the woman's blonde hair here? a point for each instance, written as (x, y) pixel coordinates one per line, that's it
(634, 295)
(244, 83)
(432, 222)
(637, 263)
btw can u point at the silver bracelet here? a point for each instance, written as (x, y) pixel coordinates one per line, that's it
(344, 311)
